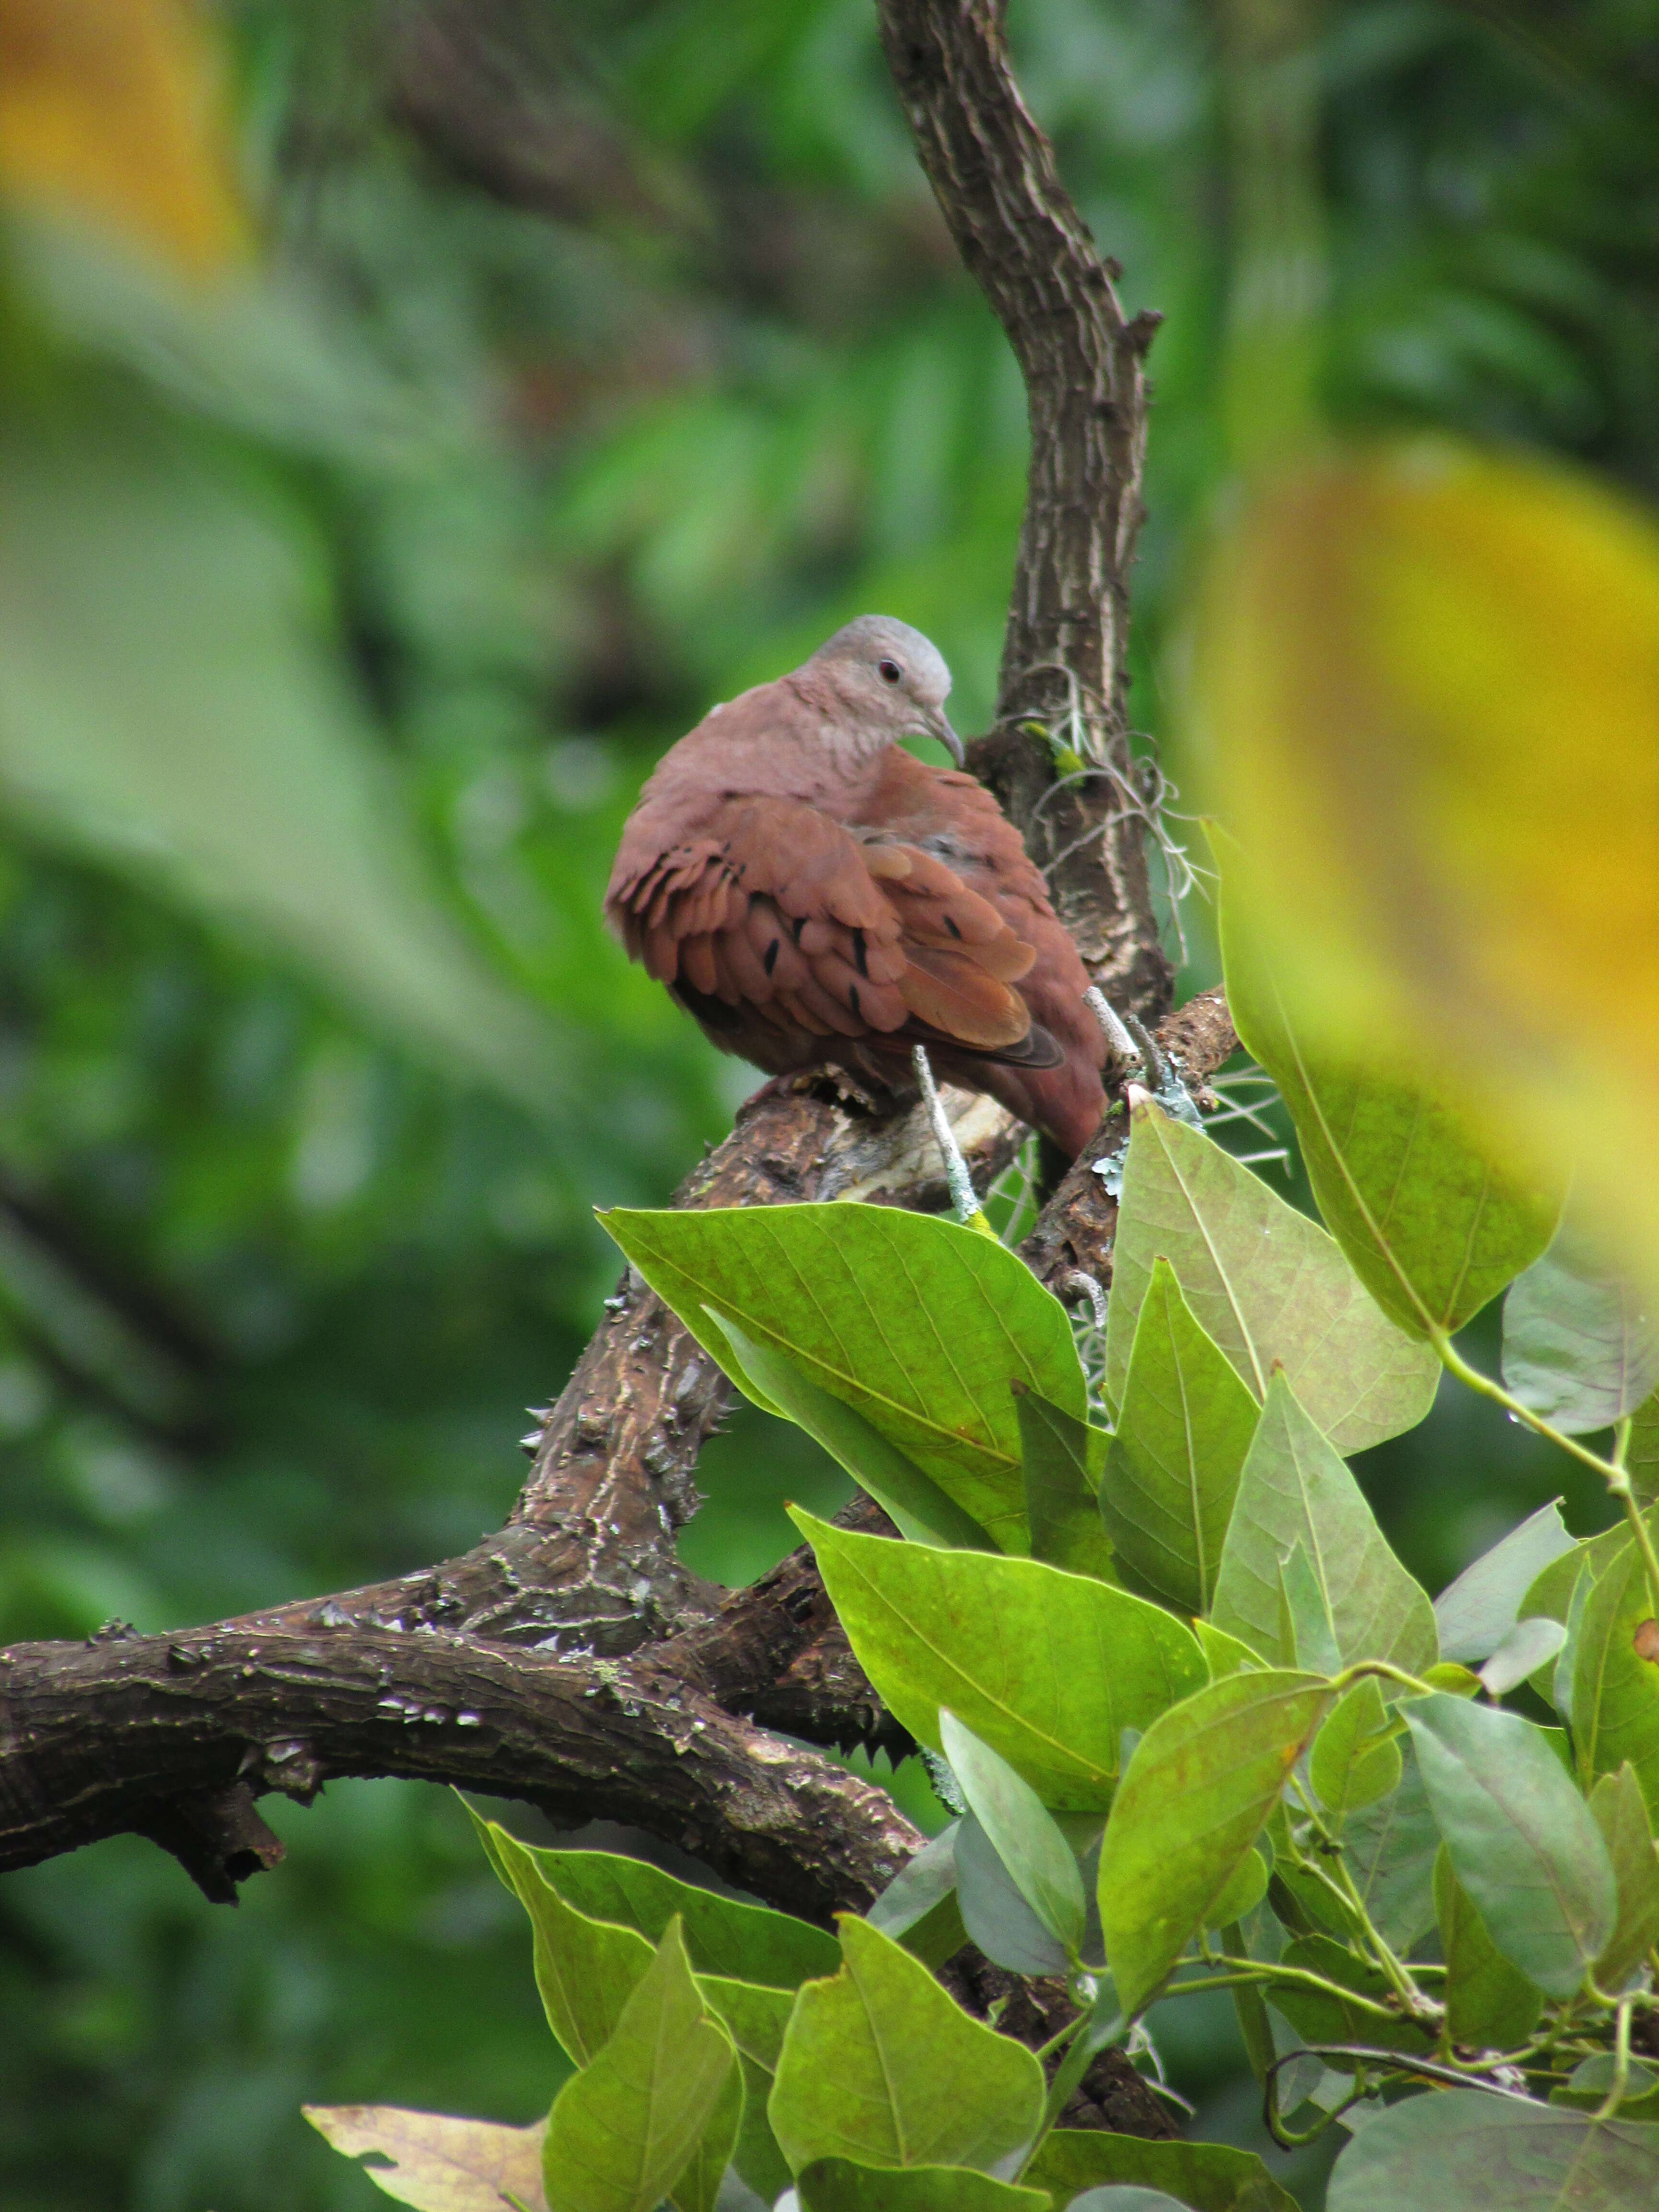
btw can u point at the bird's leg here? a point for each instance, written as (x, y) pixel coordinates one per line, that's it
(963, 1197)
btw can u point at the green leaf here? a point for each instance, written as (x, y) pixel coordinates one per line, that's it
(995, 1914)
(1588, 2087)
(1062, 1510)
(1197, 1794)
(1467, 2151)
(1490, 2004)
(1295, 1489)
(624, 2129)
(836, 2185)
(1477, 1611)
(1642, 1452)
(1433, 1229)
(919, 1508)
(1224, 1654)
(1307, 1634)
(1529, 1646)
(1389, 1848)
(1319, 2016)
(1579, 1345)
(881, 2066)
(437, 2164)
(919, 1907)
(698, 2187)
(168, 706)
(1621, 1815)
(1522, 1842)
(744, 1942)
(1354, 1761)
(1173, 1464)
(1264, 1282)
(1615, 1688)
(918, 1324)
(1208, 2176)
(1119, 2198)
(1047, 1667)
(1038, 1858)
(756, 2020)
(586, 1969)
(1247, 1886)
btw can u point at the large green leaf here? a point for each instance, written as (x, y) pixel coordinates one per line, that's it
(756, 2020)
(1522, 1842)
(1172, 1467)
(1615, 1685)
(836, 2185)
(995, 1914)
(1196, 1795)
(1490, 2004)
(882, 2067)
(1642, 1451)
(1062, 1510)
(437, 2164)
(698, 2187)
(1264, 1282)
(744, 1942)
(1040, 1862)
(168, 705)
(1477, 1611)
(918, 1324)
(1295, 1490)
(919, 1508)
(1048, 1669)
(1354, 1762)
(1209, 2177)
(1580, 1345)
(1467, 2151)
(586, 1969)
(624, 2129)
(1433, 1228)
(1389, 1849)
(1621, 1815)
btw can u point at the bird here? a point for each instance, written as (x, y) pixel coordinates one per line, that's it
(819, 899)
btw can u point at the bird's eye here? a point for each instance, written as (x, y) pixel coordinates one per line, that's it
(891, 671)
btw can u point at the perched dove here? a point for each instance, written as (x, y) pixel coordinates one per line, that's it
(817, 897)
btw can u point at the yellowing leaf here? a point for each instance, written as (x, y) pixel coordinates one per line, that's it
(1431, 679)
(110, 110)
(439, 2163)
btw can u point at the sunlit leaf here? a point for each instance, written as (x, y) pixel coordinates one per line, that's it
(439, 2163)
(1433, 1227)
(917, 1324)
(1196, 1795)
(622, 2130)
(1172, 1467)
(1580, 1345)
(1264, 1282)
(882, 2067)
(1432, 678)
(1295, 1490)
(1467, 2151)
(1048, 1669)
(1490, 2004)
(111, 111)
(1521, 1841)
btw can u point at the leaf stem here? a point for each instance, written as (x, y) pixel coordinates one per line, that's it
(1616, 2094)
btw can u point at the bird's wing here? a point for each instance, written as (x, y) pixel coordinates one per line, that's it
(773, 907)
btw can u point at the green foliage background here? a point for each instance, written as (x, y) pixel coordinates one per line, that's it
(273, 1287)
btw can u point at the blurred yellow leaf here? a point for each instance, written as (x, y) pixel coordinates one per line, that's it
(110, 110)
(1430, 681)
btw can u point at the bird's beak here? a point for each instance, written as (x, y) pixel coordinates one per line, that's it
(938, 727)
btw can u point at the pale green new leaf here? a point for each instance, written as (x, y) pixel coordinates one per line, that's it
(622, 2130)
(1197, 1794)
(1522, 1842)
(1264, 1282)
(1047, 1667)
(1172, 1467)
(917, 1324)
(439, 2163)
(1295, 1490)
(882, 2067)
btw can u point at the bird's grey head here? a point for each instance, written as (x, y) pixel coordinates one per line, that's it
(894, 678)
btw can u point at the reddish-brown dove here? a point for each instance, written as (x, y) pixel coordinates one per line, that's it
(817, 897)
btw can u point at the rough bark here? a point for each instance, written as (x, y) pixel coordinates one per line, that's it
(571, 1660)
